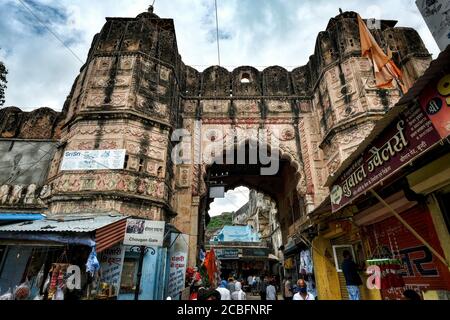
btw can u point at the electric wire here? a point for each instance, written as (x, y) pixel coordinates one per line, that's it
(57, 37)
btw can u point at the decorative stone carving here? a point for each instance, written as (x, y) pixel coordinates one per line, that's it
(16, 194)
(4, 193)
(30, 196)
(287, 134)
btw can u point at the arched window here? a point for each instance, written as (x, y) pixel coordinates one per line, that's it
(245, 78)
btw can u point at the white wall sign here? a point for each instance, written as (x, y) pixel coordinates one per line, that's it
(144, 233)
(93, 160)
(178, 256)
(111, 263)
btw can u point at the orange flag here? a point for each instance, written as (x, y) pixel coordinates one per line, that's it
(210, 264)
(385, 69)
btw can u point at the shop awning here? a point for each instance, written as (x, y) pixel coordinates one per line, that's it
(103, 231)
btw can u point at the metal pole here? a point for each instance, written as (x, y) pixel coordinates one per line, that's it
(142, 251)
(411, 229)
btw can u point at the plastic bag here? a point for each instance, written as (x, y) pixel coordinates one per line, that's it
(22, 292)
(92, 265)
(59, 295)
(40, 277)
(7, 296)
(46, 284)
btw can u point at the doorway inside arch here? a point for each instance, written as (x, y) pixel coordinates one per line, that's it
(248, 233)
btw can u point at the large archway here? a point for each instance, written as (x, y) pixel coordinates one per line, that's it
(228, 173)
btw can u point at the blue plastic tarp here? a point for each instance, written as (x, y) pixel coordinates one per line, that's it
(8, 216)
(237, 234)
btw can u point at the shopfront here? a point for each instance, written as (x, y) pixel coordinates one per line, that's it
(393, 189)
(57, 259)
(420, 270)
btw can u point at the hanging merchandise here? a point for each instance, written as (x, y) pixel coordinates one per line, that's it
(390, 269)
(59, 294)
(306, 265)
(46, 283)
(92, 265)
(58, 270)
(22, 292)
(7, 296)
(40, 277)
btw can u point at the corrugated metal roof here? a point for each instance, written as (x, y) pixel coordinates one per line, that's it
(65, 223)
(440, 66)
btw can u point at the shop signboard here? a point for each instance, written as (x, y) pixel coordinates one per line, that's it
(255, 252)
(228, 253)
(111, 263)
(400, 143)
(178, 255)
(93, 160)
(435, 101)
(144, 233)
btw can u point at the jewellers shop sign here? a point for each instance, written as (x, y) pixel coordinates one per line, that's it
(401, 142)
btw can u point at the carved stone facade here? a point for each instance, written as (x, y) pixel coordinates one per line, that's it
(135, 90)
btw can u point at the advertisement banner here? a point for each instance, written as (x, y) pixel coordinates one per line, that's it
(400, 143)
(111, 262)
(144, 233)
(435, 101)
(93, 160)
(178, 255)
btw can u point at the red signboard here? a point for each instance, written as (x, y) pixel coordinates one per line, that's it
(401, 142)
(435, 100)
(420, 270)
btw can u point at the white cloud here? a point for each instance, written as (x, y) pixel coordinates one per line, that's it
(254, 32)
(233, 201)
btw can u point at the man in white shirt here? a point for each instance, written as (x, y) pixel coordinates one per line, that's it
(238, 294)
(271, 292)
(224, 292)
(303, 293)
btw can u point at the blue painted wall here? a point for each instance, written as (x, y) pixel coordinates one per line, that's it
(153, 275)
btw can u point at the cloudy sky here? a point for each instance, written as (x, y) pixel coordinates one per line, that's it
(233, 201)
(252, 32)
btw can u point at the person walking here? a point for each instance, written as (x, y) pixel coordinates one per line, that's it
(303, 293)
(271, 291)
(238, 294)
(262, 286)
(249, 280)
(288, 293)
(224, 292)
(231, 285)
(352, 278)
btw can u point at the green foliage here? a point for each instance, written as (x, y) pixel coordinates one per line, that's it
(220, 221)
(3, 73)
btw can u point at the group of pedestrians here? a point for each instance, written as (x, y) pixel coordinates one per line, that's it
(231, 290)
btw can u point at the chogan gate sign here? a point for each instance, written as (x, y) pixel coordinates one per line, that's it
(406, 138)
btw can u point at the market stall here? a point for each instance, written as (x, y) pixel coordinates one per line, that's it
(58, 258)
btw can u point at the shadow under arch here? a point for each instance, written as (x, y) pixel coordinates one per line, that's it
(283, 157)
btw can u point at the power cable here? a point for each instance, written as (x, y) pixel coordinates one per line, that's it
(30, 167)
(50, 30)
(217, 32)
